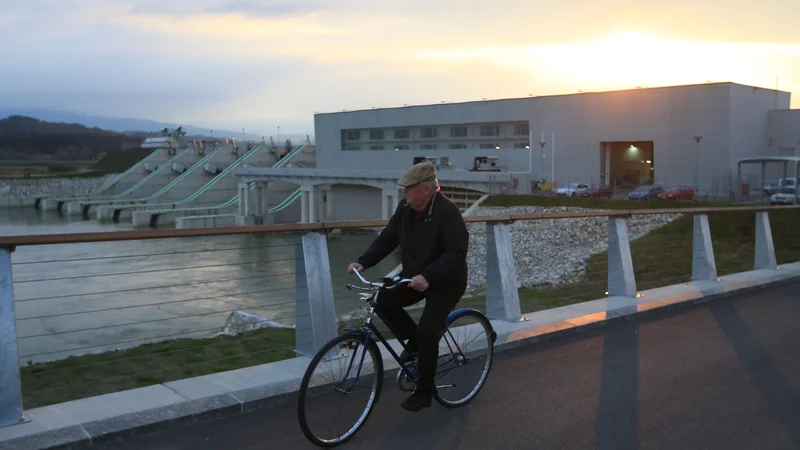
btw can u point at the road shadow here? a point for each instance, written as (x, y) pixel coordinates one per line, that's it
(778, 394)
(618, 399)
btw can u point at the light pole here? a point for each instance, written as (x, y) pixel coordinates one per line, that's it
(541, 158)
(530, 149)
(697, 162)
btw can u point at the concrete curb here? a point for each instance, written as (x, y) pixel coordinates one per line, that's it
(96, 421)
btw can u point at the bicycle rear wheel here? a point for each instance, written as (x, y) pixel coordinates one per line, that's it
(339, 390)
(466, 349)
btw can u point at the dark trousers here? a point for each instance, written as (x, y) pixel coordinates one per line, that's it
(423, 337)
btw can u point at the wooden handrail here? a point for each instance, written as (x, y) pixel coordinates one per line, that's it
(74, 238)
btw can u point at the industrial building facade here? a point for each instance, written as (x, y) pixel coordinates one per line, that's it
(691, 135)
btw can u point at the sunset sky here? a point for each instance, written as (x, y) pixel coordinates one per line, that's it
(262, 63)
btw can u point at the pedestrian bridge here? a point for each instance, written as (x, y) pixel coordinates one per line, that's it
(166, 327)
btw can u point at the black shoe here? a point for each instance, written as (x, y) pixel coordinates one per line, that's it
(416, 401)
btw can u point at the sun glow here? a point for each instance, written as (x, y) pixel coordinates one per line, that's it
(631, 59)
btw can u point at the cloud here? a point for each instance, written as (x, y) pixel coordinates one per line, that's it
(281, 8)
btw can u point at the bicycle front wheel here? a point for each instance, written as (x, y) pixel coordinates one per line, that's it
(466, 349)
(339, 389)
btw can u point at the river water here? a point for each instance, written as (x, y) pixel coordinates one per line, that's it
(85, 298)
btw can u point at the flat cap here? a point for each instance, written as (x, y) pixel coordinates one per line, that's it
(424, 171)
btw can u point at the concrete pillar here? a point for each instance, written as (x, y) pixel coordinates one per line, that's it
(303, 205)
(621, 280)
(765, 250)
(316, 315)
(704, 267)
(259, 199)
(384, 205)
(329, 212)
(322, 197)
(243, 189)
(262, 199)
(502, 296)
(312, 204)
(10, 387)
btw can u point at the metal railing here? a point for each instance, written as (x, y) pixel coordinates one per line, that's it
(93, 313)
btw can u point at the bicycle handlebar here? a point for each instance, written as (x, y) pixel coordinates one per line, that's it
(376, 285)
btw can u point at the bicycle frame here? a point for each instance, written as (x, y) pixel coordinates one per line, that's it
(368, 329)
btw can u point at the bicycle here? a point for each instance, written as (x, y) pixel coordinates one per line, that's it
(343, 351)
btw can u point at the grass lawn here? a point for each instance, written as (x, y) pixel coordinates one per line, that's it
(660, 258)
(88, 375)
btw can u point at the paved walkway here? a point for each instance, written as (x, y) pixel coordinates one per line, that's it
(725, 375)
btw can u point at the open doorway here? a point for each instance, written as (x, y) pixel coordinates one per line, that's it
(627, 164)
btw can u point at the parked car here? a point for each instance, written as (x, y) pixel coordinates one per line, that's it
(598, 192)
(786, 196)
(646, 192)
(774, 188)
(677, 193)
(573, 190)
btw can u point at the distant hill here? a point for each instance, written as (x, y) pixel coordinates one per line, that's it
(130, 126)
(17, 124)
(27, 138)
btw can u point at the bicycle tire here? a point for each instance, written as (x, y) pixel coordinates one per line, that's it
(301, 406)
(489, 330)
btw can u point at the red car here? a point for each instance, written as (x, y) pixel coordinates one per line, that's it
(597, 192)
(677, 193)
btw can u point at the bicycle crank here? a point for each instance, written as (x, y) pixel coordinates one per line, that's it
(404, 382)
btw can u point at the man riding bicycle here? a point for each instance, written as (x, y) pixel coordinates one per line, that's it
(434, 240)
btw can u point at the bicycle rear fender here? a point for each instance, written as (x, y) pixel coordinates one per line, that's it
(460, 312)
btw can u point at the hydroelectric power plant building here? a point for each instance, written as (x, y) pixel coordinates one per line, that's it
(682, 135)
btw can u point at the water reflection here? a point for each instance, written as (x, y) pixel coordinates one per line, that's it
(83, 298)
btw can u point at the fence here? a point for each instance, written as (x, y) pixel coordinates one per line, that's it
(89, 314)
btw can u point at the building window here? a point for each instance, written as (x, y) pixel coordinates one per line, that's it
(520, 145)
(376, 135)
(495, 146)
(428, 147)
(402, 147)
(457, 146)
(521, 128)
(428, 133)
(402, 133)
(376, 147)
(490, 130)
(352, 135)
(458, 131)
(353, 147)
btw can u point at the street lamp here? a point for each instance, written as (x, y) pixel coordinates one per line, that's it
(541, 160)
(697, 161)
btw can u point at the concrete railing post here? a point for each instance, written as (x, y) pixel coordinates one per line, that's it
(704, 267)
(10, 387)
(765, 250)
(316, 315)
(502, 296)
(621, 280)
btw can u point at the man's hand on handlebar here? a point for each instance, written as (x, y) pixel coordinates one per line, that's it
(356, 266)
(418, 283)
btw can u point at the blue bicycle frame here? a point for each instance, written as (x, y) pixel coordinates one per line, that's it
(368, 329)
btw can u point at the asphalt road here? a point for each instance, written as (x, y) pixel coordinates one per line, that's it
(725, 375)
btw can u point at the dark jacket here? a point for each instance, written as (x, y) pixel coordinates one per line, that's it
(434, 248)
